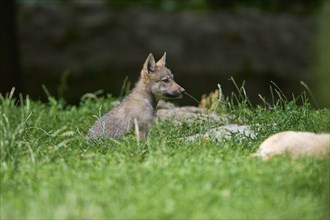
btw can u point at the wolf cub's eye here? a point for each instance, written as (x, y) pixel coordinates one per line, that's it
(167, 80)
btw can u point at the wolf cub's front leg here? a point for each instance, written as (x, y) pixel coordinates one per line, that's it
(142, 136)
(141, 130)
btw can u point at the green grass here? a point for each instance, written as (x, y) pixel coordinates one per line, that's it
(48, 170)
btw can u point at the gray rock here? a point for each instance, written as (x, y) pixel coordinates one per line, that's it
(224, 132)
(168, 111)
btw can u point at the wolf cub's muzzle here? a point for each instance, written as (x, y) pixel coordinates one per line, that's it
(175, 94)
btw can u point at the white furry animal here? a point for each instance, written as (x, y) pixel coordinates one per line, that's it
(295, 144)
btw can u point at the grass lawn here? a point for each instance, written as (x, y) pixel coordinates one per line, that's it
(48, 170)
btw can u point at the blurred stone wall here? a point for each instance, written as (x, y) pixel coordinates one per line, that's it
(99, 48)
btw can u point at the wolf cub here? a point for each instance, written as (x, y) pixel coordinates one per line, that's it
(138, 109)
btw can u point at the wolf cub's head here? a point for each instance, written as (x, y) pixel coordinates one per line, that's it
(159, 79)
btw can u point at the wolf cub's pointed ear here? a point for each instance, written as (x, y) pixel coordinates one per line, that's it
(149, 64)
(162, 61)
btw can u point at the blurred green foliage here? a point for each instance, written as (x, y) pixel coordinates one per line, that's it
(322, 66)
(300, 6)
(295, 6)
